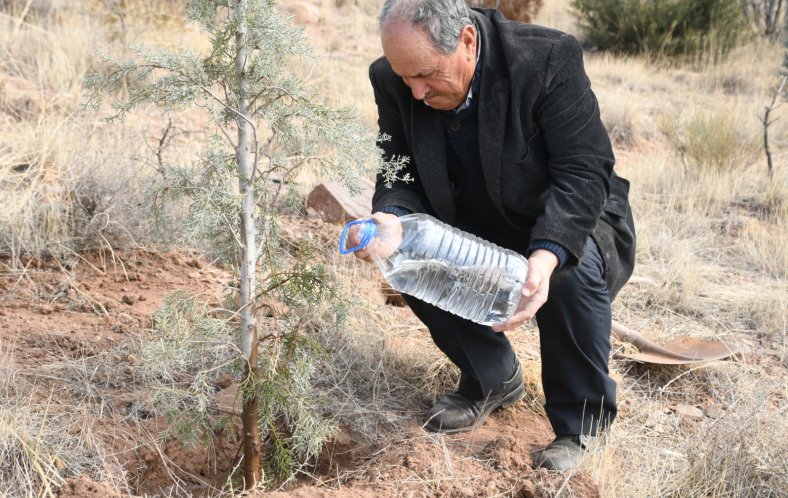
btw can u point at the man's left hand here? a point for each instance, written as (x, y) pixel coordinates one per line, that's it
(537, 284)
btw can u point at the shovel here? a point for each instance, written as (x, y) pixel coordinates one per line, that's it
(680, 351)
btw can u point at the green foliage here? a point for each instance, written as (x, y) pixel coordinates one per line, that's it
(194, 346)
(191, 349)
(666, 28)
(290, 130)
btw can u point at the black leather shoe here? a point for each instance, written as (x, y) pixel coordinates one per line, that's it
(455, 413)
(563, 453)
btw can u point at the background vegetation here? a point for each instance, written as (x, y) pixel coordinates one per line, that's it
(712, 227)
(664, 29)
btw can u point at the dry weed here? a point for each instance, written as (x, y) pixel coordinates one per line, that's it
(43, 443)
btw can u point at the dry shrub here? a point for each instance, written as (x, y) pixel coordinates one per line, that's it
(43, 443)
(70, 188)
(37, 454)
(623, 122)
(41, 9)
(743, 452)
(712, 141)
(383, 365)
(736, 450)
(744, 72)
(517, 10)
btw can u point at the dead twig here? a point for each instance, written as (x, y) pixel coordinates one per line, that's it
(766, 122)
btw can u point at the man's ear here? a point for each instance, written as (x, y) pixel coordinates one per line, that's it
(468, 41)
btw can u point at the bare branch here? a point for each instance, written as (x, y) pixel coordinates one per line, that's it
(766, 123)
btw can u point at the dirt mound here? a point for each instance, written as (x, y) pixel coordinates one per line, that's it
(84, 487)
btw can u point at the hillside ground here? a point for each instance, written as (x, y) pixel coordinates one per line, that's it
(75, 412)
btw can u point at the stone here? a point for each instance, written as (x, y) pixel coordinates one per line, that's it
(688, 412)
(228, 400)
(333, 202)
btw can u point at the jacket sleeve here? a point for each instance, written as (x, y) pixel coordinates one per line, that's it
(407, 195)
(580, 155)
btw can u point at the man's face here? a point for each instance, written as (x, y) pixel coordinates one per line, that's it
(440, 80)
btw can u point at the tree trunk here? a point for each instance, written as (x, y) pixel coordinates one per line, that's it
(248, 335)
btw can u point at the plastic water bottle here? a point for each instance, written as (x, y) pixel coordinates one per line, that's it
(451, 269)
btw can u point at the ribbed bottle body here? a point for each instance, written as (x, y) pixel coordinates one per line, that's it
(456, 271)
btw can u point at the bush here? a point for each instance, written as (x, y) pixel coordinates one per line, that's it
(666, 28)
(711, 142)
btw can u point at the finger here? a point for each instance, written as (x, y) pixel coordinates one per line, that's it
(532, 284)
(513, 322)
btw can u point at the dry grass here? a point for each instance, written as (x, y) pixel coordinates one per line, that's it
(44, 441)
(69, 180)
(713, 242)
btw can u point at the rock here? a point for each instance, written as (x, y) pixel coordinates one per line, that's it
(46, 309)
(229, 401)
(333, 202)
(126, 299)
(688, 412)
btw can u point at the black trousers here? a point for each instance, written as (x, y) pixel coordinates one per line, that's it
(574, 336)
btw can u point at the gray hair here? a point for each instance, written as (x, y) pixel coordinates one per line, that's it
(443, 19)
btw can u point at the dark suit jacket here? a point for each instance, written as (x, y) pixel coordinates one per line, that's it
(546, 157)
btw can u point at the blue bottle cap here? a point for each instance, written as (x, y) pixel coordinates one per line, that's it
(368, 231)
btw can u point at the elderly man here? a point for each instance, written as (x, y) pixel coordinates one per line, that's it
(504, 140)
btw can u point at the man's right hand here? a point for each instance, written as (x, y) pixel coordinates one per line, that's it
(387, 239)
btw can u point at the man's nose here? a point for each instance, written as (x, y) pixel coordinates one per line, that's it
(419, 88)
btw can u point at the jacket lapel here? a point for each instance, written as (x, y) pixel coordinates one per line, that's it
(493, 110)
(429, 150)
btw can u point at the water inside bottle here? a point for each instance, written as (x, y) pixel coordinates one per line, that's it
(483, 294)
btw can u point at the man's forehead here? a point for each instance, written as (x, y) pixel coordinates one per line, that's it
(408, 49)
